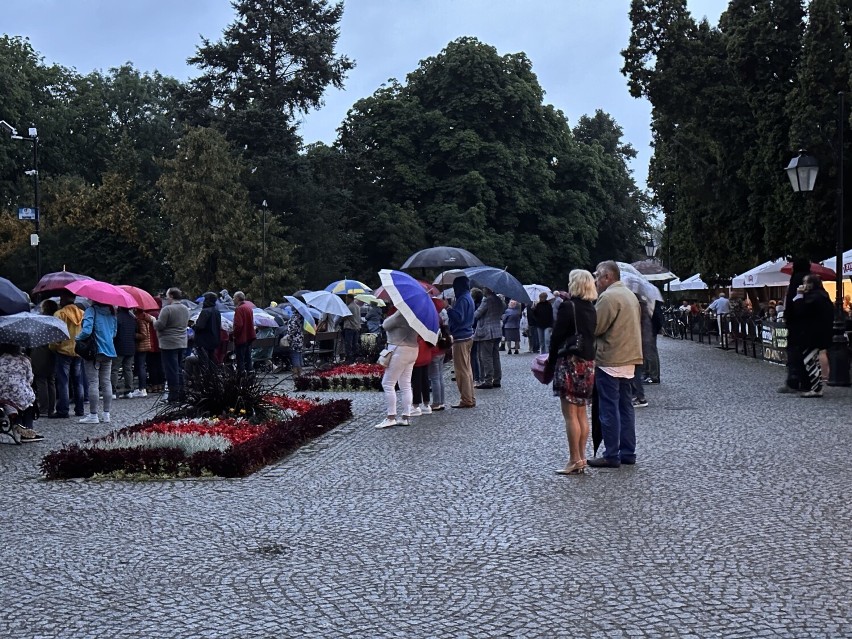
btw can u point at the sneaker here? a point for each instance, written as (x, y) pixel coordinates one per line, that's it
(640, 403)
(415, 412)
(91, 418)
(387, 422)
(29, 435)
(437, 407)
(403, 421)
(425, 409)
(138, 393)
(105, 418)
(126, 395)
(811, 394)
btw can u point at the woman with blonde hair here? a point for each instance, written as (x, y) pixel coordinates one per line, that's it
(572, 357)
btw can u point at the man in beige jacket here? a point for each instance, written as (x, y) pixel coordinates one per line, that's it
(619, 349)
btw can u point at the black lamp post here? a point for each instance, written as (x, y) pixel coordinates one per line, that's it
(651, 248)
(33, 137)
(802, 172)
(263, 261)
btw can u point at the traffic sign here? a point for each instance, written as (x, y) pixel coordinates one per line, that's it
(27, 213)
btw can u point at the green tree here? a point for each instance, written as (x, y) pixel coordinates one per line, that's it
(215, 234)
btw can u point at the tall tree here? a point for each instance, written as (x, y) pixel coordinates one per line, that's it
(215, 236)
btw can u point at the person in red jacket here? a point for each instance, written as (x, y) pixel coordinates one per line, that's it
(244, 333)
(420, 380)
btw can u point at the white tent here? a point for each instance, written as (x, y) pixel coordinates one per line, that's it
(674, 285)
(847, 263)
(767, 274)
(692, 283)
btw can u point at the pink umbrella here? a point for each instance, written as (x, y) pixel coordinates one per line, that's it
(102, 292)
(144, 299)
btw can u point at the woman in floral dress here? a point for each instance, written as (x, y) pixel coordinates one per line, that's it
(295, 328)
(16, 390)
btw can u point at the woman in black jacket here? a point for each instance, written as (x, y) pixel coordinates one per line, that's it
(812, 311)
(572, 356)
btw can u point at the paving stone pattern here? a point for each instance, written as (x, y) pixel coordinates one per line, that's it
(734, 523)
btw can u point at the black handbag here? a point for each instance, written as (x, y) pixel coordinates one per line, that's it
(87, 348)
(574, 344)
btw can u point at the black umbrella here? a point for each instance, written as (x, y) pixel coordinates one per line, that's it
(12, 299)
(442, 257)
(29, 330)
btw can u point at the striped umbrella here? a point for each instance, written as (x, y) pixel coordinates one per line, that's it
(348, 287)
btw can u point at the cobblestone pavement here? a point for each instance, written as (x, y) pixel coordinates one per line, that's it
(734, 523)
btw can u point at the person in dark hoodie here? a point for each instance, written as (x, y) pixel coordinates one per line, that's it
(797, 378)
(125, 350)
(460, 320)
(811, 308)
(207, 328)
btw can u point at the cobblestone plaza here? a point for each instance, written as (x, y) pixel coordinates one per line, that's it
(735, 522)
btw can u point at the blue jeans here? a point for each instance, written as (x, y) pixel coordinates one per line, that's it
(638, 387)
(618, 419)
(436, 379)
(242, 352)
(532, 333)
(66, 364)
(173, 370)
(544, 339)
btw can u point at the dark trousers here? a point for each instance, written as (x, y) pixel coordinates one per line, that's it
(242, 353)
(156, 376)
(350, 343)
(618, 420)
(420, 385)
(173, 370)
(69, 368)
(140, 363)
(46, 393)
(488, 351)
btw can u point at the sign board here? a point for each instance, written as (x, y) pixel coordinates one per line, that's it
(774, 338)
(27, 213)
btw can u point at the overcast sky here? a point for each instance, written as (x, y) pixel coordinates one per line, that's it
(574, 45)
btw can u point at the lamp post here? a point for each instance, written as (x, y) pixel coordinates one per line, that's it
(263, 260)
(35, 239)
(651, 248)
(802, 172)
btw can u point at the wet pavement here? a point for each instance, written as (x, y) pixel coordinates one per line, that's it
(735, 522)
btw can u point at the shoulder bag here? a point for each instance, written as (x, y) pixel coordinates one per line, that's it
(87, 348)
(573, 344)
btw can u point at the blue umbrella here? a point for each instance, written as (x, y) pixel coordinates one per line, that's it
(499, 281)
(343, 287)
(12, 299)
(309, 323)
(412, 300)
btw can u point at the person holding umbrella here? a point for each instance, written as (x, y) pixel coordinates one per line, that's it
(68, 363)
(99, 320)
(402, 340)
(487, 336)
(460, 321)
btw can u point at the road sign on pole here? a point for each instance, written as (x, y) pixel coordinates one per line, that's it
(25, 213)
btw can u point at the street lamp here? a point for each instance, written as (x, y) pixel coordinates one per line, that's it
(33, 137)
(651, 248)
(263, 260)
(802, 172)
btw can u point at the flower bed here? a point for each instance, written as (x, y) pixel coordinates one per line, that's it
(234, 445)
(348, 377)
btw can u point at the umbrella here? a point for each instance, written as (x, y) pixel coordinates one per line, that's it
(261, 318)
(57, 281)
(144, 299)
(189, 304)
(369, 299)
(448, 277)
(348, 287)
(654, 271)
(12, 299)
(382, 293)
(624, 267)
(102, 293)
(327, 302)
(29, 330)
(309, 323)
(415, 304)
(535, 290)
(442, 257)
(499, 281)
(641, 286)
(824, 273)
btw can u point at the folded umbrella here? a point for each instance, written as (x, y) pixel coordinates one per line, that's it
(327, 303)
(309, 324)
(102, 292)
(144, 299)
(348, 287)
(29, 330)
(412, 300)
(12, 299)
(57, 281)
(499, 281)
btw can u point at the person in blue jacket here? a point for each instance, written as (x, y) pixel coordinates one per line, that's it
(100, 320)
(460, 321)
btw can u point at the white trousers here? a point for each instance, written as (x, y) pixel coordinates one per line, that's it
(399, 372)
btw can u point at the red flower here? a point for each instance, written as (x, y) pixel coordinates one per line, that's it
(234, 430)
(358, 370)
(299, 406)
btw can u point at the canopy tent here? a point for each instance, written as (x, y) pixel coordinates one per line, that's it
(767, 274)
(831, 263)
(691, 283)
(672, 285)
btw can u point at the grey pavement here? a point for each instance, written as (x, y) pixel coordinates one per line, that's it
(735, 522)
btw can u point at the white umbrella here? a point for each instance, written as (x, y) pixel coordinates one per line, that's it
(534, 290)
(448, 277)
(327, 303)
(641, 286)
